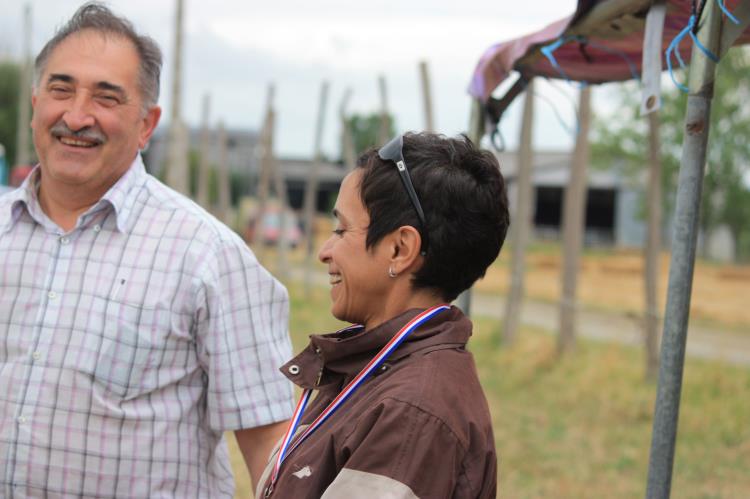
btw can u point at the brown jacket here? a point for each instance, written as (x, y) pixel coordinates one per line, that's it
(418, 427)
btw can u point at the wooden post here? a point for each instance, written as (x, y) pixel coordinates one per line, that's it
(475, 134)
(574, 221)
(311, 188)
(204, 167)
(429, 124)
(651, 251)
(177, 162)
(385, 119)
(264, 175)
(224, 209)
(522, 224)
(279, 183)
(23, 154)
(348, 154)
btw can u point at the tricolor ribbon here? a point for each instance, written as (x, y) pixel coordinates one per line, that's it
(287, 447)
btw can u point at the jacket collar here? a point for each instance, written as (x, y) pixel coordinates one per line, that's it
(330, 357)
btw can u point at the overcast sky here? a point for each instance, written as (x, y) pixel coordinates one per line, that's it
(234, 49)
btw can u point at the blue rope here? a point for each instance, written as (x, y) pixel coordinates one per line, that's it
(549, 50)
(726, 12)
(675, 47)
(621, 53)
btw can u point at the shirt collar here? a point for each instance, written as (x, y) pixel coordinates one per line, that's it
(123, 194)
(120, 197)
(12, 204)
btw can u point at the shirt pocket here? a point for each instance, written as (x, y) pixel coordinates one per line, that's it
(126, 354)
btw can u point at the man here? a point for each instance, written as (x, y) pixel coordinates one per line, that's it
(134, 328)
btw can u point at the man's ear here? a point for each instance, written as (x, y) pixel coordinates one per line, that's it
(405, 243)
(150, 120)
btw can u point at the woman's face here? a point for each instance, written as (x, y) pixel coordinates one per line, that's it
(359, 277)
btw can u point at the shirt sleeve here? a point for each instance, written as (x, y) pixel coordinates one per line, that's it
(242, 338)
(398, 450)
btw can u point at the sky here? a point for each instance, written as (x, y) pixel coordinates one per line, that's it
(233, 50)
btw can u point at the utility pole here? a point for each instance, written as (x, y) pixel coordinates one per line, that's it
(177, 162)
(204, 167)
(521, 226)
(23, 156)
(429, 124)
(311, 188)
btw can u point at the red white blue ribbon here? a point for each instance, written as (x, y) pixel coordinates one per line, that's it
(285, 449)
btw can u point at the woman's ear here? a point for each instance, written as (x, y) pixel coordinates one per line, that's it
(405, 243)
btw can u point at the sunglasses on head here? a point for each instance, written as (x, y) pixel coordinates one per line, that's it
(394, 151)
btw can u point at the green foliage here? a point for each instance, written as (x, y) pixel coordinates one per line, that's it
(9, 94)
(620, 141)
(366, 130)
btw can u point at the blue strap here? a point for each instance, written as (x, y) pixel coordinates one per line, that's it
(675, 47)
(621, 53)
(549, 53)
(726, 12)
(549, 50)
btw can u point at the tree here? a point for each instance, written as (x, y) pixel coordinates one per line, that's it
(619, 141)
(10, 74)
(365, 129)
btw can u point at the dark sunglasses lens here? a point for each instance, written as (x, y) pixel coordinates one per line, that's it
(392, 150)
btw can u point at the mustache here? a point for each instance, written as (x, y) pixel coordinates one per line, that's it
(94, 133)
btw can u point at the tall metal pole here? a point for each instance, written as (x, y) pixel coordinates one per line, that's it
(687, 211)
(23, 156)
(177, 163)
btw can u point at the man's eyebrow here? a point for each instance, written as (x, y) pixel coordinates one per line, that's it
(105, 85)
(60, 77)
(102, 85)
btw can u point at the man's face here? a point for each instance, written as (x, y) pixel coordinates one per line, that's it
(89, 120)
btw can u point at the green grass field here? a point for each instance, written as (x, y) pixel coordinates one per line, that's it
(580, 427)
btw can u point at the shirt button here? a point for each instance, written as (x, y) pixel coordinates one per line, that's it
(97, 228)
(64, 240)
(36, 356)
(22, 419)
(52, 295)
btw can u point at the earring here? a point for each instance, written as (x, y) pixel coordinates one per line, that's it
(391, 273)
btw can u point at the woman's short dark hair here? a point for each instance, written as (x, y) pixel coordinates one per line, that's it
(463, 196)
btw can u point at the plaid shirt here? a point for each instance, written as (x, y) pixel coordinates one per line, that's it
(130, 344)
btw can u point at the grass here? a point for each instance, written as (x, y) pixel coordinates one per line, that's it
(580, 426)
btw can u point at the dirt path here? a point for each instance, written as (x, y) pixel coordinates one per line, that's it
(703, 342)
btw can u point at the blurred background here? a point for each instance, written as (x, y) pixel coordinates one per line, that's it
(267, 105)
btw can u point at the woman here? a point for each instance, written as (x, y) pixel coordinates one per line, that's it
(399, 411)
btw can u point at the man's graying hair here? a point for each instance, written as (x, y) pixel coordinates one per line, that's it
(98, 17)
